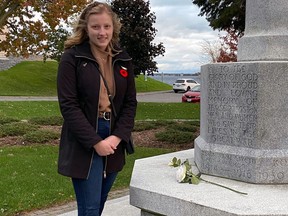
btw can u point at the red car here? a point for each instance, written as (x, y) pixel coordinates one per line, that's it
(192, 96)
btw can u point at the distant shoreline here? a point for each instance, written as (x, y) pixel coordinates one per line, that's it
(171, 78)
(175, 74)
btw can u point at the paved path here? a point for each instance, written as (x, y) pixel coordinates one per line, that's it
(114, 207)
(27, 98)
(161, 97)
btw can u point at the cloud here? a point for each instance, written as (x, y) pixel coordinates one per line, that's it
(182, 31)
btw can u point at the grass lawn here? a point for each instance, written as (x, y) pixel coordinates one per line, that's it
(168, 111)
(29, 78)
(150, 85)
(28, 109)
(29, 178)
(36, 78)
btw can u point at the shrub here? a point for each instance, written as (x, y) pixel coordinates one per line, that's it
(144, 125)
(184, 126)
(16, 129)
(47, 120)
(40, 136)
(175, 136)
(149, 125)
(5, 120)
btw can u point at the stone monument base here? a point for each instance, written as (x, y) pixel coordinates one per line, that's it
(155, 191)
(243, 130)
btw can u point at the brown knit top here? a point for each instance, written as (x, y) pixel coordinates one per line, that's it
(104, 59)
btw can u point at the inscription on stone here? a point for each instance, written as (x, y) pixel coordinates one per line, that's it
(239, 166)
(232, 105)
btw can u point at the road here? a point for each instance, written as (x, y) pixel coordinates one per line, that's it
(161, 97)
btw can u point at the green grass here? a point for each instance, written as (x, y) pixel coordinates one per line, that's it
(29, 178)
(179, 132)
(29, 78)
(40, 136)
(29, 109)
(35, 109)
(168, 111)
(36, 78)
(150, 85)
(142, 125)
(47, 120)
(16, 129)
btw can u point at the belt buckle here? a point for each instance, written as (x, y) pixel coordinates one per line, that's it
(107, 118)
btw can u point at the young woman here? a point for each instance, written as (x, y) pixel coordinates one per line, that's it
(92, 145)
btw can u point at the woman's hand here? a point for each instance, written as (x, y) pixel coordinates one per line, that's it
(107, 146)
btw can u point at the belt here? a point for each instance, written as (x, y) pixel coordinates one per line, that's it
(105, 115)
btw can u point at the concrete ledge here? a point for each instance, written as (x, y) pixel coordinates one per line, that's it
(265, 48)
(155, 191)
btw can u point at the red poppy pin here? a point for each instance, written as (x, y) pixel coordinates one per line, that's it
(123, 71)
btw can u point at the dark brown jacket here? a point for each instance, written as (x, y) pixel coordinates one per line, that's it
(78, 85)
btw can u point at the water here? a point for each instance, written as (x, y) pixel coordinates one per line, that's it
(170, 79)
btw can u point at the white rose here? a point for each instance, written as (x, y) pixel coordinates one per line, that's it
(181, 173)
(171, 163)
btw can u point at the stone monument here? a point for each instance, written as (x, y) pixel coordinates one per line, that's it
(243, 134)
(244, 105)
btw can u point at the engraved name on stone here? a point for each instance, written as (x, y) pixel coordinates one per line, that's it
(232, 105)
(237, 166)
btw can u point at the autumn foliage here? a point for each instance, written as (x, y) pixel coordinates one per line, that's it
(224, 49)
(229, 46)
(29, 23)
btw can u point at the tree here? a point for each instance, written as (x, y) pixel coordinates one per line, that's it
(137, 34)
(55, 43)
(229, 47)
(31, 22)
(210, 49)
(223, 14)
(223, 50)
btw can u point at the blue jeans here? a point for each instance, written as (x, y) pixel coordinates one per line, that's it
(92, 193)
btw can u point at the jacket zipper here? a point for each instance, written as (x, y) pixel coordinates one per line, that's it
(106, 157)
(93, 152)
(90, 165)
(105, 167)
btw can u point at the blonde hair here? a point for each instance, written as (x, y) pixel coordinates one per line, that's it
(80, 34)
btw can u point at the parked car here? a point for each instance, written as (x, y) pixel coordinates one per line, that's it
(192, 96)
(184, 84)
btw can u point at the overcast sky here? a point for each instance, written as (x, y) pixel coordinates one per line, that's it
(182, 31)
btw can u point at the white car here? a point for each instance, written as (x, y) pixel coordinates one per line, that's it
(184, 84)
